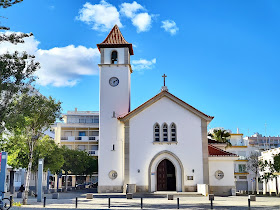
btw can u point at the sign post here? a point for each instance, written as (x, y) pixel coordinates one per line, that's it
(3, 171)
(40, 180)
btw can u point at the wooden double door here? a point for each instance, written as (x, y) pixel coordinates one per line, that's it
(166, 176)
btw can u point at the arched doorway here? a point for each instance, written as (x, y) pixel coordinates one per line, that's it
(166, 176)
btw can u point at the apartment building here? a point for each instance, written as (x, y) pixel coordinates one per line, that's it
(80, 130)
(263, 142)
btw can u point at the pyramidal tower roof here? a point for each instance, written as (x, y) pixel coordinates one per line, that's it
(115, 39)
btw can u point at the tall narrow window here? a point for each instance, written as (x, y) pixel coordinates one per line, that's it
(173, 132)
(165, 132)
(156, 132)
(114, 57)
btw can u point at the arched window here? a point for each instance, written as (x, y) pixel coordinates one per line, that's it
(165, 132)
(114, 57)
(156, 132)
(173, 132)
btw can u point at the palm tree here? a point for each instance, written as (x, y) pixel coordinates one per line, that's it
(220, 135)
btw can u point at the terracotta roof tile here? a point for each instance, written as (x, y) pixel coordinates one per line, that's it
(215, 152)
(115, 39)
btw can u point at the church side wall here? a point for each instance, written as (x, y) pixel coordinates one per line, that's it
(143, 149)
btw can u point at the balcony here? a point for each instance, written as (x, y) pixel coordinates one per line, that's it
(242, 158)
(80, 138)
(93, 152)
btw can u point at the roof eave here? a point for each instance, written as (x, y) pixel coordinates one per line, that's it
(101, 45)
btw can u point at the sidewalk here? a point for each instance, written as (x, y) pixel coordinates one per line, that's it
(118, 201)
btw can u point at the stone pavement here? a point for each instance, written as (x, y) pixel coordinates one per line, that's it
(119, 201)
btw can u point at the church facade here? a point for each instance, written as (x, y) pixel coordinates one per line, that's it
(160, 146)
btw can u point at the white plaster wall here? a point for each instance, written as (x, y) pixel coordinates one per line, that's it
(188, 149)
(111, 131)
(226, 165)
(107, 55)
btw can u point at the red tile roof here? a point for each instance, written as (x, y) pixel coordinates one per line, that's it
(160, 95)
(115, 39)
(215, 152)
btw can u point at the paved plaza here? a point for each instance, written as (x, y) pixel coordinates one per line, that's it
(119, 201)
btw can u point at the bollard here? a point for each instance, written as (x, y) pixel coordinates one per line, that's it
(249, 204)
(211, 204)
(44, 204)
(76, 202)
(141, 203)
(109, 202)
(178, 204)
(11, 200)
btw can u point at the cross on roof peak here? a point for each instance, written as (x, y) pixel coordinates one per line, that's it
(164, 76)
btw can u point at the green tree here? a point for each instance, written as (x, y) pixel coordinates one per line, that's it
(6, 4)
(30, 116)
(220, 135)
(16, 69)
(268, 172)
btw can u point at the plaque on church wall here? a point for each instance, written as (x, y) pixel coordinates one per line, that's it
(219, 174)
(113, 174)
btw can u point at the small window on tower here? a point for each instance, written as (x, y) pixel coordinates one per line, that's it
(114, 57)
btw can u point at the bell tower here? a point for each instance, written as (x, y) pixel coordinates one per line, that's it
(114, 101)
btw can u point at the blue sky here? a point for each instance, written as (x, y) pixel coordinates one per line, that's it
(222, 57)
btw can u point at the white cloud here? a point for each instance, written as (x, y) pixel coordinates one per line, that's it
(102, 16)
(142, 64)
(130, 9)
(59, 66)
(142, 22)
(169, 26)
(64, 66)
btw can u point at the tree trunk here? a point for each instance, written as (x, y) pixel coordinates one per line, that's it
(28, 174)
(257, 184)
(276, 183)
(27, 180)
(66, 180)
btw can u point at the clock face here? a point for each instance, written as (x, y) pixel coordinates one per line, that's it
(113, 81)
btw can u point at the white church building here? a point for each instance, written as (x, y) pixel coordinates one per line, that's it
(161, 145)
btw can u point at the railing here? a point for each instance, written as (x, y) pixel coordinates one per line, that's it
(242, 158)
(79, 138)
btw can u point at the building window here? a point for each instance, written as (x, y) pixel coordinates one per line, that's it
(241, 168)
(114, 57)
(96, 119)
(156, 132)
(82, 133)
(165, 132)
(82, 120)
(82, 147)
(173, 132)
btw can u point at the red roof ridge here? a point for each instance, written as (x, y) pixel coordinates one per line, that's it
(115, 38)
(162, 92)
(215, 152)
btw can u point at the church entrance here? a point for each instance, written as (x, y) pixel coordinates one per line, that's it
(166, 177)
